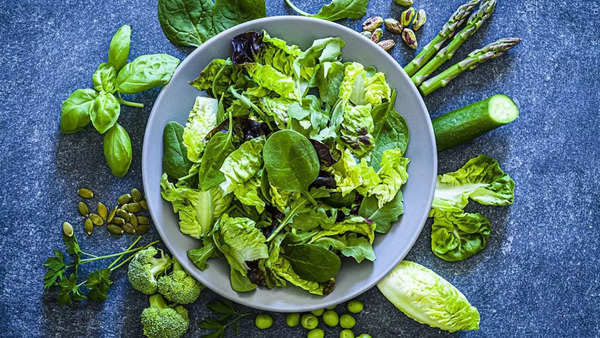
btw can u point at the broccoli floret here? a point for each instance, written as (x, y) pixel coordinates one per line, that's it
(162, 321)
(179, 287)
(144, 269)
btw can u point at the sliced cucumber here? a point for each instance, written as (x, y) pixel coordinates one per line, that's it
(466, 123)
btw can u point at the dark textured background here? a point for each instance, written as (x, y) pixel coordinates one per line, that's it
(538, 276)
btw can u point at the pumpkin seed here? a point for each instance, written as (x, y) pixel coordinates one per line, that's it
(102, 211)
(85, 193)
(133, 207)
(111, 215)
(133, 220)
(88, 226)
(142, 229)
(118, 221)
(143, 220)
(67, 229)
(129, 228)
(124, 199)
(136, 195)
(115, 229)
(123, 214)
(83, 209)
(144, 205)
(96, 219)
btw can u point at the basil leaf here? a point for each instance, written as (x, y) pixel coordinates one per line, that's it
(191, 22)
(312, 262)
(75, 112)
(145, 72)
(118, 52)
(106, 112)
(217, 150)
(104, 78)
(290, 160)
(117, 150)
(384, 216)
(175, 161)
(337, 10)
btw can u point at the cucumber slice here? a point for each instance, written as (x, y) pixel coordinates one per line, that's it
(466, 123)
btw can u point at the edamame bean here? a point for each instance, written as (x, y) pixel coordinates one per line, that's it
(354, 306)
(346, 334)
(331, 318)
(309, 321)
(347, 321)
(263, 321)
(293, 319)
(316, 333)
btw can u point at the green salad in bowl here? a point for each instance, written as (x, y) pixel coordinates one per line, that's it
(290, 162)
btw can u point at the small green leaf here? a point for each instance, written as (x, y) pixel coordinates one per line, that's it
(69, 291)
(458, 236)
(175, 161)
(145, 72)
(55, 268)
(217, 150)
(117, 150)
(104, 78)
(106, 112)
(384, 216)
(76, 110)
(221, 307)
(312, 262)
(118, 53)
(98, 282)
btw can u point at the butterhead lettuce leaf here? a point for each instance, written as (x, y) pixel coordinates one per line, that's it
(350, 175)
(202, 119)
(392, 174)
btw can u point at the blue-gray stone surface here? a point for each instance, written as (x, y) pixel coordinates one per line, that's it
(538, 276)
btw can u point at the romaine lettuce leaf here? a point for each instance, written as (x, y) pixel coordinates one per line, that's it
(247, 193)
(268, 77)
(244, 162)
(202, 119)
(311, 218)
(351, 72)
(278, 53)
(283, 269)
(328, 79)
(356, 129)
(480, 179)
(277, 107)
(218, 76)
(354, 224)
(322, 50)
(457, 235)
(392, 174)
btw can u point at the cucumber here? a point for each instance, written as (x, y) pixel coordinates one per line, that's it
(467, 123)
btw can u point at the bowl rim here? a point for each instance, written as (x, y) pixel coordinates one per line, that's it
(421, 222)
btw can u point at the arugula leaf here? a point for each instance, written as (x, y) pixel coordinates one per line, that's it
(98, 282)
(191, 22)
(337, 10)
(458, 236)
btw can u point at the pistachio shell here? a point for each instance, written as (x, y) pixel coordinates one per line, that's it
(67, 229)
(372, 23)
(377, 34)
(387, 44)
(115, 229)
(85, 193)
(393, 25)
(407, 17)
(102, 211)
(136, 195)
(124, 199)
(88, 226)
(408, 36)
(83, 209)
(420, 20)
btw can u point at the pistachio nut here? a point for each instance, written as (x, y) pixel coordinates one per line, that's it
(67, 229)
(404, 3)
(115, 229)
(407, 17)
(85, 193)
(83, 209)
(88, 226)
(420, 20)
(102, 211)
(387, 44)
(377, 34)
(393, 25)
(136, 195)
(409, 38)
(372, 23)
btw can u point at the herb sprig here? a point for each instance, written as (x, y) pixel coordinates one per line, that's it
(227, 316)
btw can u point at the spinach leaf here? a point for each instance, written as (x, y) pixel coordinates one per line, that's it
(217, 150)
(457, 235)
(145, 72)
(105, 113)
(175, 161)
(290, 160)
(75, 112)
(384, 216)
(118, 52)
(104, 78)
(337, 10)
(393, 134)
(239, 282)
(312, 262)
(191, 22)
(117, 150)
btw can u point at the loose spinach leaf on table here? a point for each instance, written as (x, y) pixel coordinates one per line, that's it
(337, 10)
(191, 22)
(217, 149)
(146, 72)
(175, 161)
(312, 262)
(76, 110)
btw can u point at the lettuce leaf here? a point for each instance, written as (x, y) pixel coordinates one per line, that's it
(277, 107)
(202, 119)
(311, 218)
(268, 77)
(322, 50)
(392, 175)
(458, 236)
(219, 75)
(197, 210)
(354, 224)
(350, 175)
(356, 129)
(283, 269)
(384, 216)
(370, 89)
(244, 162)
(248, 193)
(480, 179)
(278, 54)
(328, 79)
(351, 72)
(350, 245)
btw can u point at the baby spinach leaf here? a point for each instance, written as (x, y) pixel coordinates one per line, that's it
(106, 112)
(118, 52)
(290, 160)
(312, 262)
(104, 78)
(175, 161)
(457, 235)
(337, 10)
(393, 134)
(75, 112)
(117, 150)
(191, 22)
(217, 150)
(145, 72)
(239, 282)
(384, 216)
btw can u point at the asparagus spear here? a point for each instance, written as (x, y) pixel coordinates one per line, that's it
(456, 20)
(475, 21)
(476, 57)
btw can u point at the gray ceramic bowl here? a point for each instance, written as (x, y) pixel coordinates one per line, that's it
(174, 104)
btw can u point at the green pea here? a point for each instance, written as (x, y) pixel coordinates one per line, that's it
(309, 321)
(346, 334)
(316, 333)
(331, 318)
(318, 312)
(332, 307)
(364, 335)
(347, 321)
(354, 306)
(263, 321)
(292, 319)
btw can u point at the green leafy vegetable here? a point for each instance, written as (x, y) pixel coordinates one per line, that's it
(191, 22)
(243, 163)
(349, 245)
(458, 236)
(226, 315)
(199, 256)
(104, 78)
(217, 150)
(268, 77)
(384, 216)
(117, 150)
(201, 120)
(312, 262)
(105, 113)
(118, 52)
(337, 10)
(76, 110)
(428, 298)
(146, 72)
(175, 161)
(356, 129)
(392, 174)
(354, 224)
(393, 134)
(350, 175)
